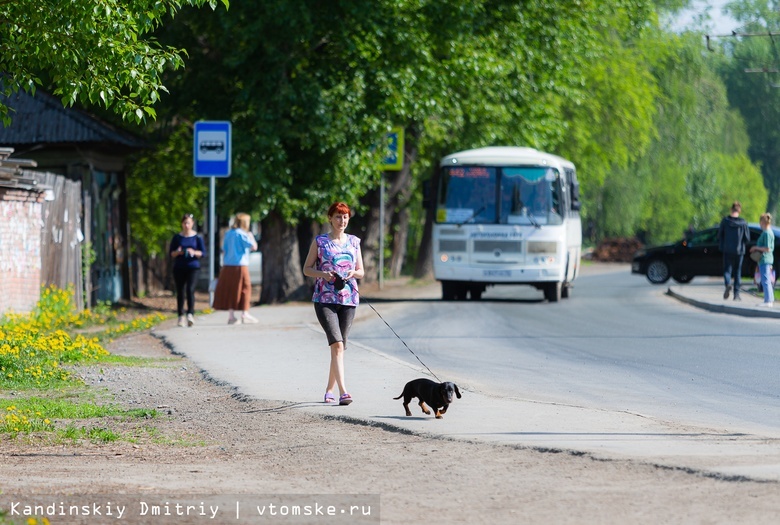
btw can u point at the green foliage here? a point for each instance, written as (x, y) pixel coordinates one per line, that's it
(310, 87)
(94, 53)
(88, 258)
(755, 94)
(614, 124)
(162, 188)
(35, 353)
(737, 178)
(696, 163)
(65, 409)
(34, 347)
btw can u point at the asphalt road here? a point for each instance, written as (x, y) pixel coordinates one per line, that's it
(618, 370)
(618, 343)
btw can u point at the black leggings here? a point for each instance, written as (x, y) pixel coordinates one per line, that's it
(185, 279)
(336, 320)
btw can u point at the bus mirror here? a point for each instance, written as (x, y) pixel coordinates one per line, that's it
(575, 197)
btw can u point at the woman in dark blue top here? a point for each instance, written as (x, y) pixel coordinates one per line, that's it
(187, 248)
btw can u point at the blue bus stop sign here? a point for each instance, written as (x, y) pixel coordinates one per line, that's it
(211, 149)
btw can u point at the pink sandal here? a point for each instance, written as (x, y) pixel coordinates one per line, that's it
(345, 399)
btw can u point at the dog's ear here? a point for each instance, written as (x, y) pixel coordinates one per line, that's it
(457, 392)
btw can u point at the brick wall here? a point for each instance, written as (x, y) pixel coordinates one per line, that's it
(20, 249)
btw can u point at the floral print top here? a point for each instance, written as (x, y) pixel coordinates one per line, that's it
(340, 258)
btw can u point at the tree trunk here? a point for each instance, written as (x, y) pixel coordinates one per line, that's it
(397, 190)
(282, 274)
(400, 218)
(400, 239)
(369, 244)
(424, 267)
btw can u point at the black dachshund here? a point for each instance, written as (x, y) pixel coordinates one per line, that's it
(438, 396)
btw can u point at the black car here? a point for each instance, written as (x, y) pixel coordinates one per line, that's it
(697, 254)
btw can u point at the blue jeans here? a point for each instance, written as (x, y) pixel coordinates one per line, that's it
(766, 282)
(732, 265)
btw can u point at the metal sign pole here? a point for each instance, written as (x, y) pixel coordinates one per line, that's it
(393, 161)
(212, 233)
(212, 157)
(382, 231)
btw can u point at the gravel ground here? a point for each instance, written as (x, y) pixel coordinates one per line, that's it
(209, 440)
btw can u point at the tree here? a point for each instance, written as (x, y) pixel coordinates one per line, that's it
(311, 87)
(94, 53)
(687, 177)
(562, 78)
(755, 94)
(161, 189)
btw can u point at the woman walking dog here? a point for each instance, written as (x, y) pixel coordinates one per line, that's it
(336, 261)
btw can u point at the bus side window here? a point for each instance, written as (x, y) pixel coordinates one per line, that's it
(571, 177)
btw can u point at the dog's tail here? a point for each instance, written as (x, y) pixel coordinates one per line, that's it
(399, 397)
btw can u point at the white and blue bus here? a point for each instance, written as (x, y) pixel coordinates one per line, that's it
(506, 215)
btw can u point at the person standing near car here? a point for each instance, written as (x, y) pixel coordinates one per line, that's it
(733, 236)
(766, 245)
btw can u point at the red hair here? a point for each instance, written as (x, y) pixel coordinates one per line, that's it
(338, 208)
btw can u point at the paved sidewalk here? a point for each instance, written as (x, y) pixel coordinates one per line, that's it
(708, 294)
(285, 358)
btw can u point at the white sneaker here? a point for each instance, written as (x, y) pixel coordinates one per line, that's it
(248, 319)
(182, 321)
(190, 320)
(767, 305)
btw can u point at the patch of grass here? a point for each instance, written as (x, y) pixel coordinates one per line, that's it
(62, 409)
(753, 290)
(121, 360)
(36, 351)
(33, 520)
(92, 434)
(36, 414)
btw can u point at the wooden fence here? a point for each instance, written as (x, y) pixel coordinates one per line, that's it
(63, 237)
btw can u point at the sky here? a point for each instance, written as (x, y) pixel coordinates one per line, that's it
(720, 24)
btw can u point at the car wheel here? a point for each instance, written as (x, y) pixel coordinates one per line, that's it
(658, 272)
(683, 279)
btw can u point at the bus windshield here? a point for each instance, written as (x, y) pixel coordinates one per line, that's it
(491, 195)
(468, 195)
(530, 196)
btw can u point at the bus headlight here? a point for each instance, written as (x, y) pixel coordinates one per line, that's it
(450, 258)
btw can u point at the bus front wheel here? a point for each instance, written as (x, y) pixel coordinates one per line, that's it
(552, 292)
(453, 290)
(475, 291)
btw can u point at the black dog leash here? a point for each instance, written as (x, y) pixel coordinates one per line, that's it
(339, 285)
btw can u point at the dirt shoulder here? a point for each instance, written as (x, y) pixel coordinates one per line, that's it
(209, 440)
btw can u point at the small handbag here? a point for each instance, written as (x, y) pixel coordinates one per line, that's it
(756, 256)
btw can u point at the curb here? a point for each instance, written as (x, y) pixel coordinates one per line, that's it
(723, 308)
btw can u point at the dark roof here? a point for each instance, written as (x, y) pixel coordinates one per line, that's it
(42, 119)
